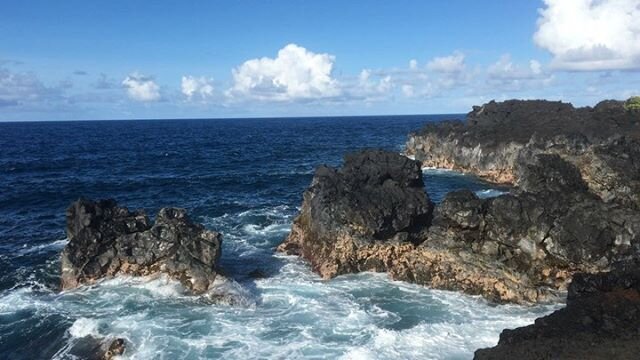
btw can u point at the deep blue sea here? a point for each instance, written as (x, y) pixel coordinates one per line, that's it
(244, 178)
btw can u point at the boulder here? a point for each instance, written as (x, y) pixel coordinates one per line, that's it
(349, 215)
(107, 240)
(600, 321)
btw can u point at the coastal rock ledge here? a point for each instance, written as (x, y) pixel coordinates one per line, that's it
(373, 214)
(601, 321)
(107, 240)
(603, 142)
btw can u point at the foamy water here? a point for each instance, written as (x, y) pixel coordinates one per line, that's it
(290, 314)
(244, 178)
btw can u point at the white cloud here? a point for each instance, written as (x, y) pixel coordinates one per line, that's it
(535, 67)
(506, 75)
(370, 86)
(21, 88)
(413, 64)
(447, 64)
(296, 73)
(408, 90)
(507, 69)
(200, 87)
(591, 34)
(141, 88)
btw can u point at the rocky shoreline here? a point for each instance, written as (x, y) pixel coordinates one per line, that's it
(602, 142)
(572, 218)
(571, 224)
(374, 215)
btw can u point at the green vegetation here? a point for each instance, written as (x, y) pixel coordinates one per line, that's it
(633, 104)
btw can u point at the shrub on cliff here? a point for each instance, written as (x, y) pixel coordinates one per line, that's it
(633, 104)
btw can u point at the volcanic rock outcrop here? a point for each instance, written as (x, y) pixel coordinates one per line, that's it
(373, 214)
(106, 240)
(362, 216)
(601, 321)
(521, 247)
(602, 142)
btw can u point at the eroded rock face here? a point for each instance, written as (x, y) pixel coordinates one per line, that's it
(350, 215)
(523, 246)
(498, 136)
(520, 247)
(106, 240)
(601, 321)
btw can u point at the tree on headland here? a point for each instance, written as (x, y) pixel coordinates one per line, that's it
(633, 104)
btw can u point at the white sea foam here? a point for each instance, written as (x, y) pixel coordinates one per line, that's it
(52, 246)
(489, 193)
(257, 230)
(291, 314)
(440, 171)
(229, 292)
(85, 327)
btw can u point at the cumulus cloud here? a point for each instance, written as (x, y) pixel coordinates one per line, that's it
(591, 34)
(141, 87)
(295, 73)
(504, 74)
(18, 88)
(371, 86)
(197, 87)
(453, 63)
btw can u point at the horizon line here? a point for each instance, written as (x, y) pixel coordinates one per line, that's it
(231, 118)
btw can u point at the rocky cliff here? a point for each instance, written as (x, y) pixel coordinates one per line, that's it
(106, 240)
(602, 142)
(373, 214)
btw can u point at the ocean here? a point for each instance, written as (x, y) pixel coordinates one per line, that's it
(241, 177)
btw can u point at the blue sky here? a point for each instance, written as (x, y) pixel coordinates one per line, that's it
(172, 59)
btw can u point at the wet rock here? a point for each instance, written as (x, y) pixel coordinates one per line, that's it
(106, 240)
(96, 348)
(116, 348)
(520, 247)
(351, 215)
(600, 321)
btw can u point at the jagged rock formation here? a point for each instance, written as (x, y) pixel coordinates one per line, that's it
(106, 240)
(373, 214)
(601, 321)
(601, 141)
(350, 215)
(526, 244)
